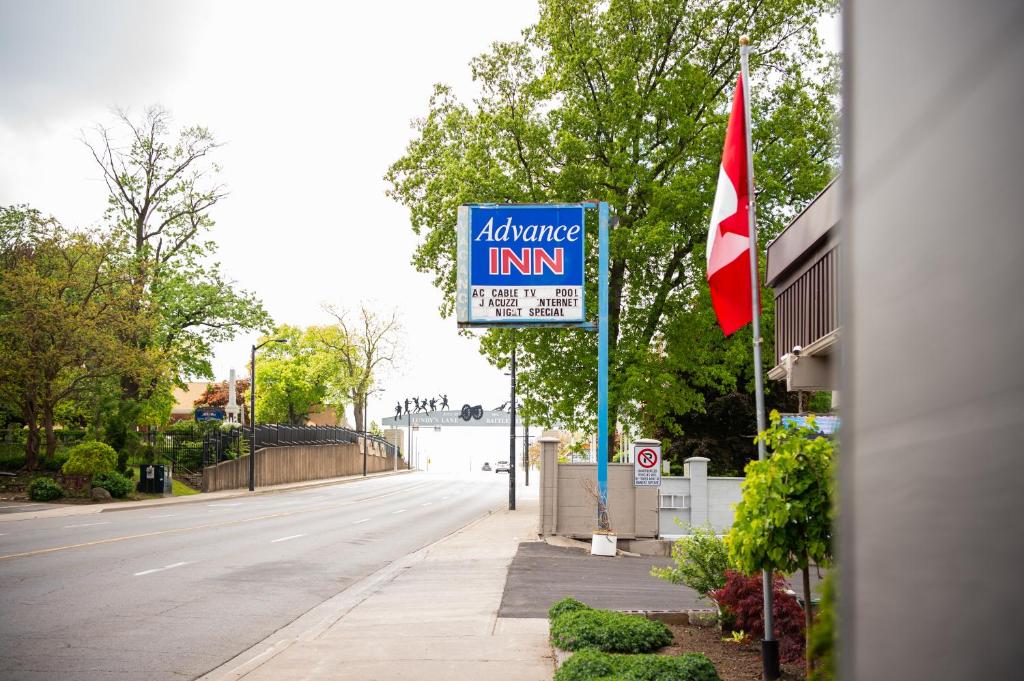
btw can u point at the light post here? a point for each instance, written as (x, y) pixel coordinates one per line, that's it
(252, 411)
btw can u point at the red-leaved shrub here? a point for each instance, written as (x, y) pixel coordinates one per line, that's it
(742, 604)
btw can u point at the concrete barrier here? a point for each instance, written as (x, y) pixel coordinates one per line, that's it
(298, 463)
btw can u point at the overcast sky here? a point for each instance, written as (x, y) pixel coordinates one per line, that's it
(313, 100)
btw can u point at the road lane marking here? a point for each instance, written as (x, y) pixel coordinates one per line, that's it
(223, 523)
(428, 503)
(360, 521)
(164, 515)
(294, 536)
(85, 525)
(159, 569)
(397, 512)
(444, 498)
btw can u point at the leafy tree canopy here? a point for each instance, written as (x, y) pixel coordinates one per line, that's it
(626, 101)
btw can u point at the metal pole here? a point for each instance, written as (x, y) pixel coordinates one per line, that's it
(408, 454)
(366, 398)
(526, 452)
(512, 437)
(769, 646)
(602, 367)
(252, 421)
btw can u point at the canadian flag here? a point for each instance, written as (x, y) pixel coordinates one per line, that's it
(728, 250)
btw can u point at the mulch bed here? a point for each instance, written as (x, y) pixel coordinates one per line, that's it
(734, 662)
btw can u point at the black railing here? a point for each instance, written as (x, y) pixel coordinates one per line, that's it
(281, 435)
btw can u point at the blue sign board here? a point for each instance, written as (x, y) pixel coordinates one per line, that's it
(209, 414)
(521, 265)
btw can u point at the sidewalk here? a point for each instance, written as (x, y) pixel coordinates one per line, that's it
(61, 510)
(432, 615)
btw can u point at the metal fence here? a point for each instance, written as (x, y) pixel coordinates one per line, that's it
(193, 448)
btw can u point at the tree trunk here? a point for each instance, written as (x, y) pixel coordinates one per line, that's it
(51, 438)
(359, 412)
(808, 617)
(32, 443)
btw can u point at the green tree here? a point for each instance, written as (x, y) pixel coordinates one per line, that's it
(295, 377)
(162, 188)
(783, 522)
(67, 302)
(625, 101)
(361, 348)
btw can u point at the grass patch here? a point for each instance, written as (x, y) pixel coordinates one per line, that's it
(594, 665)
(180, 489)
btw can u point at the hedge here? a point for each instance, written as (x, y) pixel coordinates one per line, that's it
(90, 458)
(608, 631)
(44, 489)
(593, 665)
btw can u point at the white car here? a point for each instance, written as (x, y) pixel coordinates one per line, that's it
(501, 467)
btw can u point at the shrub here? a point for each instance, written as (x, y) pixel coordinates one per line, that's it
(44, 489)
(701, 561)
(823, 633)
(742, 603)
(611, 632)
(55, 462)
(588, 665)
(566, 605)
(12, 460)
(90, 458)
(118, 485)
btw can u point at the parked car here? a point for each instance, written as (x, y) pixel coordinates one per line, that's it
(486, 466)
(501, 467)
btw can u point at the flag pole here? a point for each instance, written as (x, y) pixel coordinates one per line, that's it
(769, 646)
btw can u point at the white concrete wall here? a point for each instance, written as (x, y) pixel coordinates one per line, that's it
(697, 499)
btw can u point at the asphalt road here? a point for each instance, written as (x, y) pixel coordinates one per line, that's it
(173, 592)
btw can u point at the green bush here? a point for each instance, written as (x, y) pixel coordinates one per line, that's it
(701, 561)
(90, 458)
(11, 461)
(566, 605)
(593, 665)
(118, 485)
(611, 632)
(44, 489)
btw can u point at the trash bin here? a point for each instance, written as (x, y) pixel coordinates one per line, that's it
(154, 478)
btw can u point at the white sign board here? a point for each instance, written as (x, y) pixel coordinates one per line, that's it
(646, 464)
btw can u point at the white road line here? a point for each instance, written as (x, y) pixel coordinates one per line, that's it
(159, 569)
(85, 525)
(444, 498)
(360, 521)
(164, 515)
(293, 536)
(428, 503)
(396, 512)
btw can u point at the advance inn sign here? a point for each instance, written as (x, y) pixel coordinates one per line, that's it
(519, 265)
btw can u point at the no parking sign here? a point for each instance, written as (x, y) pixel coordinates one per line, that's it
(647, 463)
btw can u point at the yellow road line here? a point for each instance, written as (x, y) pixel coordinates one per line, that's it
(207, 526)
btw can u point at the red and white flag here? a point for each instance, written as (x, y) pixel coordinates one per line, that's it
(728, 250)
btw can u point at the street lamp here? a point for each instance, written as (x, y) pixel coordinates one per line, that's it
(252, 410)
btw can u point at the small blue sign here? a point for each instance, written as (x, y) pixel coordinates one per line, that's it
(521, 264)
(210, 414)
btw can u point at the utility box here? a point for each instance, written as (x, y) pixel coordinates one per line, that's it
(154, 478)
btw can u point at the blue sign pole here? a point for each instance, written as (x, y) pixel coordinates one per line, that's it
(602, 366)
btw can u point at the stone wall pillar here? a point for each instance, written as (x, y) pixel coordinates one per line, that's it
(548, 506)
(696, 469)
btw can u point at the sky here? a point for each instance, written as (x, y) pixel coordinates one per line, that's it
(313, 101)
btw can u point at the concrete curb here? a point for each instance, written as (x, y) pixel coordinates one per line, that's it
(93, 509)
(315, 622)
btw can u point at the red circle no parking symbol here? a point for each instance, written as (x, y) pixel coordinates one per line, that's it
(647, 458)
